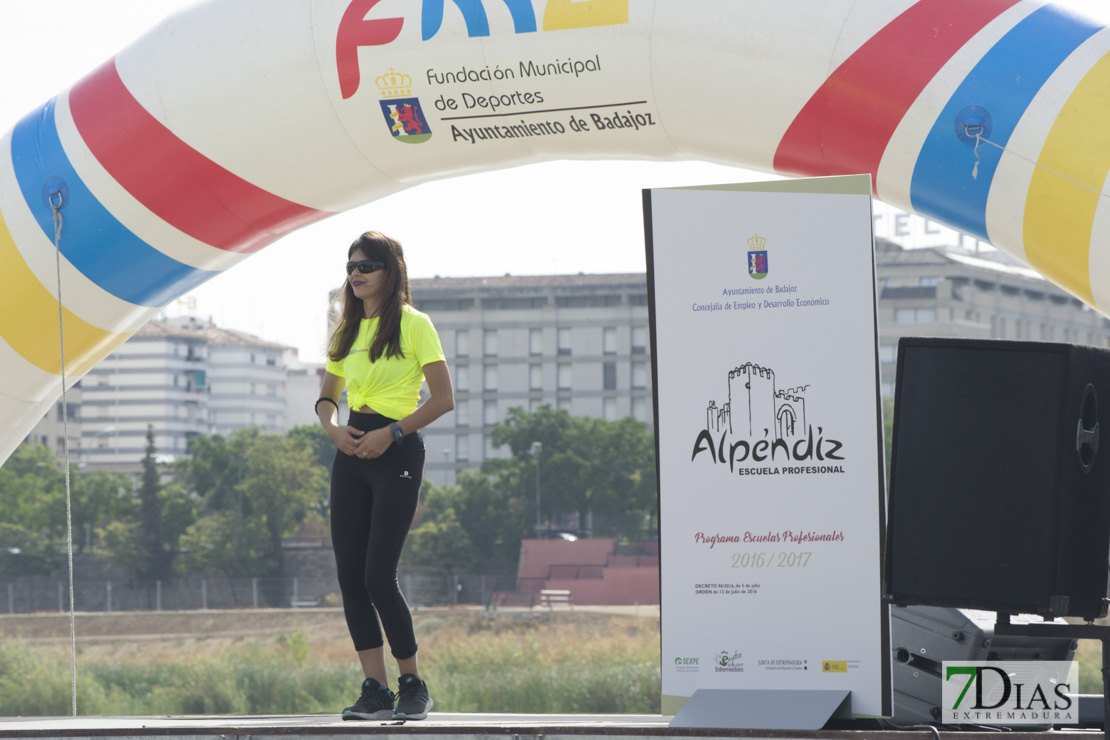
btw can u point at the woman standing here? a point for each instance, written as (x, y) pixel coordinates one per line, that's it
(382, 350)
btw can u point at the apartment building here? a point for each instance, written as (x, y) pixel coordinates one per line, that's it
(574, 342)
(937, 292)
(181, 378)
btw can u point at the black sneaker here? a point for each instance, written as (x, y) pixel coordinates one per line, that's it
(413, 701)
(376, 702)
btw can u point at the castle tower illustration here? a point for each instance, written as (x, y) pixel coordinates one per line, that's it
(755, 405)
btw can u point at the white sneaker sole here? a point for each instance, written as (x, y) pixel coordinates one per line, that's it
(422, 715)
(380, 714)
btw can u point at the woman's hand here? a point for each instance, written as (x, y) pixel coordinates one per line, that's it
(345, 438)
(373, 444)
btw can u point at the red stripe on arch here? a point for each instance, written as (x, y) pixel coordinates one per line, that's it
(176, 182)
(846, 126)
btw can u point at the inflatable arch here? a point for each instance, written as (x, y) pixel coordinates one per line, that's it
(233, 123)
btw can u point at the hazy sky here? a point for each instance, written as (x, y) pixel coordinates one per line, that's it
(486, 224)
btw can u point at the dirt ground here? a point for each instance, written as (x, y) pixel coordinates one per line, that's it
(216, 625)
(222, 625)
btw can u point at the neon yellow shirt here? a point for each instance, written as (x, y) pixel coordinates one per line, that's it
(390, 386)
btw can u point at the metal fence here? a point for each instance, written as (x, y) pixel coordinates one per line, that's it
(421, 586)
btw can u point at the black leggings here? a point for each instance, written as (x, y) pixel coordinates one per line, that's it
(372, 506)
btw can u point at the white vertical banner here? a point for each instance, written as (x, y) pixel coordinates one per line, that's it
(769, 434)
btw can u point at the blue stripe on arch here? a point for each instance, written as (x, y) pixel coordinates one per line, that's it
(1003, 84)
(92, 239)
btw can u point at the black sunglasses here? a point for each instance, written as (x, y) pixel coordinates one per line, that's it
(365, 266)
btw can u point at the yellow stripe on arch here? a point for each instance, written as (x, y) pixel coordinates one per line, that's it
(1065, 190)
(29, 319)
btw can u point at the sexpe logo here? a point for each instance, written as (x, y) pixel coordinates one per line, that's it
(356, 30)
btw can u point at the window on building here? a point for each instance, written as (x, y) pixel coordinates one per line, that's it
(489, 342)
(489, 413)
(609, 340)
(609, 409)
(888, 353)
(639, 375)
(462, 448)
(449, 304)
(587, 301)
(639, 340)
(462, 378)
(270, 361)
(563, 404)
(489, 378)
(609, 376)
(928, 280)
(462, 343)
(640, 409)
(535, 341)
(506, 303)
(563, 343)
(534, 405)
(915, 316)
(535, 377)
(564, 376)
(462, 413)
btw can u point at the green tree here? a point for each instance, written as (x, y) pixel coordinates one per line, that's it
(25, 553)
(156, 554)
(32, 499)
(225, 542)
(601, 471)
(317, 440)
(144, 535)
(440, 539)
(99, 498)
(591, 468)
(281, 483)
(314, 436)
(266, 483)
(213, 468)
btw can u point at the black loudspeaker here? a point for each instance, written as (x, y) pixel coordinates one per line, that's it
(998, 488)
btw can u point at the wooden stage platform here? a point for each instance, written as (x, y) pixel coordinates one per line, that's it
(448, 726)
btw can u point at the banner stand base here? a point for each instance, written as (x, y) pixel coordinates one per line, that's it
(763, 709)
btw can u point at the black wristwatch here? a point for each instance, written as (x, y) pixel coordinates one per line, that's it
(397, 432)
